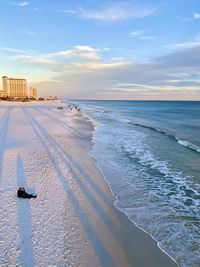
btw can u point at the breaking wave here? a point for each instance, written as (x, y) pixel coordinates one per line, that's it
(170, 135)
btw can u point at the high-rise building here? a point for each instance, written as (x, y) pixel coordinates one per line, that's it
(2, 94)
(33, 93)
(14, 87)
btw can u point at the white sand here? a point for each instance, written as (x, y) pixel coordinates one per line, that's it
(73, 221)
(46, 230)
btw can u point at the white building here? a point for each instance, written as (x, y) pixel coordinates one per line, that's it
(33, 93)
(14, 87)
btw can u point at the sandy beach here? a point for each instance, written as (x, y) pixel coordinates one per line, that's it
(73, 221)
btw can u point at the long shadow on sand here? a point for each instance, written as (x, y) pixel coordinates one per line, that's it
(81, 171)
(24, 221)
(4, 122)
(79, 176)
(104, 256)
(61, 123)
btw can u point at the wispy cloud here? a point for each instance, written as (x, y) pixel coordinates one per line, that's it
(197, 37)
(196, 15)
(22, 4)
(79, 58)
(55, 62)
(79, 51)
(67, 11)
(15, 51)
(140, 34)
(39, 60)
(113, 13)
(186, 45)
(136, 33)
(147, 37)
(29, 33)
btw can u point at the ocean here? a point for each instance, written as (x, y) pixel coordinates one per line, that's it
(149, 154)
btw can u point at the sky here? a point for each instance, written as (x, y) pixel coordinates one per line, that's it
(99, 49)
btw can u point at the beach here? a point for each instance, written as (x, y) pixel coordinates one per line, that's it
(73, 221)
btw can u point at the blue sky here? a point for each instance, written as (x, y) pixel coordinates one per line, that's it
(103, 49)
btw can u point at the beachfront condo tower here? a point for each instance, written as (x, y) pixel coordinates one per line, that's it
(14, 87)
(33, 93)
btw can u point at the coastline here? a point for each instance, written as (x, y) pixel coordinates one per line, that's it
(90, 230)
(135, 241)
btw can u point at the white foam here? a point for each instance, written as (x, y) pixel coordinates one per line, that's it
(189, 145)
(155, 202)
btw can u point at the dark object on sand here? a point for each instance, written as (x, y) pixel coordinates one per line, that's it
(59, 107)
(22, 193)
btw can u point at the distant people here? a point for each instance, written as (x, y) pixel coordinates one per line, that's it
(73, 107)
(21, 193)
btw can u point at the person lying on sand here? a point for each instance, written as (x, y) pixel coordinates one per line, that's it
(22, 193)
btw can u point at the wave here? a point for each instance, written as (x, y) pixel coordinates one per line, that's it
(189, 145)
(112, 115)
(184, 143)
(156, 196)
(162, 197)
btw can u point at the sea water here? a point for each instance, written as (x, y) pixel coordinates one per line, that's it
(149, 153)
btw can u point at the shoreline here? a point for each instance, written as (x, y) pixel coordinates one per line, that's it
(126, 220)
(52, 159)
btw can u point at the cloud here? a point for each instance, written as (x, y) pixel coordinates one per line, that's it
(140, 34)
(197, 37)
(142, 87)
(188, 59)
(136, 33)
(22, 4)
(112, 13)
(147, 37)
(79, 54)
(85, 48)
(186, 45)
(79, 51)
(174, 76)
(67, 11)
(196, 15)
(16, 51)
(29, 33)
(37, 60)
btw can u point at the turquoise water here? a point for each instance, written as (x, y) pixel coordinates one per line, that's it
(149, 153)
